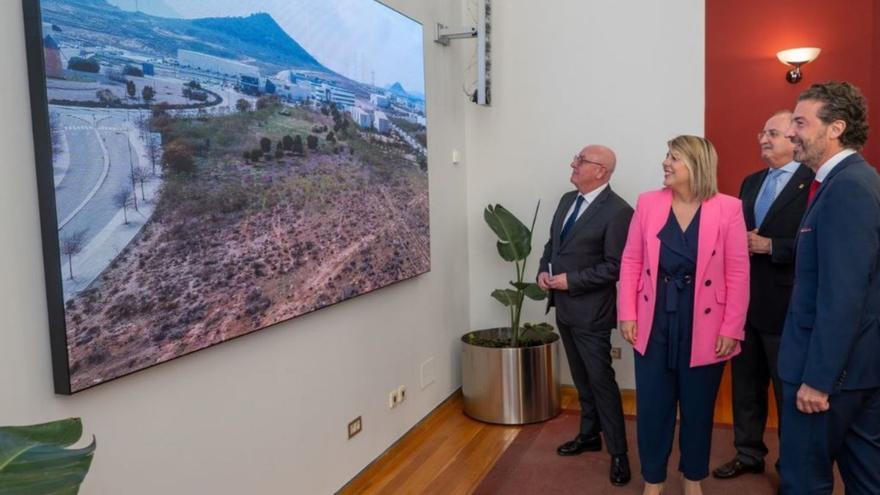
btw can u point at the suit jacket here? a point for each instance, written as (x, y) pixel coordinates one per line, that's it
(590, 256)
(772, 275)
(831, 337)
(721, 296)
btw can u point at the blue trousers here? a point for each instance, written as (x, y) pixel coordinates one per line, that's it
(659, 390)
(847, 433)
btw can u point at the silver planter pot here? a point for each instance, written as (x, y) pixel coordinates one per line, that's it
(510, 385)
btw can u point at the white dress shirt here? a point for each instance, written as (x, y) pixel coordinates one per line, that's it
(832, 162)
(588, 198)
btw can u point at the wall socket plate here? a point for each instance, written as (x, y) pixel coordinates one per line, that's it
(354, 427)
(427, 373)
(615, 353)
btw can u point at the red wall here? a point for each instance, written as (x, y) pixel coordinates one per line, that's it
(745, 83)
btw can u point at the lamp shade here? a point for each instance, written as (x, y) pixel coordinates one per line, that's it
(798, 56)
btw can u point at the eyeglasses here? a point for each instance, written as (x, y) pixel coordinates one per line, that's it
(581, 160)
(770, 133)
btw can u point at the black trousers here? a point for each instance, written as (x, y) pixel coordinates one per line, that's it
(589, 358)
(752, 371)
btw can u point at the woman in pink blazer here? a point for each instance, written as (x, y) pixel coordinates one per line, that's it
(683, 296)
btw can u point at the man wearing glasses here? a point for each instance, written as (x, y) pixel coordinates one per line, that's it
(774, 200)
(579, 268)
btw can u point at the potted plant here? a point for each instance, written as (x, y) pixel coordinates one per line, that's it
(34, 459)
(510, 375)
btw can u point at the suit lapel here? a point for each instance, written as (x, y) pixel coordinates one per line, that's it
(658, 215)
(798, 183)
(855, 157)
(561, 213)
(750, 196)
(710, 220)
(591, 210)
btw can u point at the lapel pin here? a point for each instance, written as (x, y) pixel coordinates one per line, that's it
(801, 186)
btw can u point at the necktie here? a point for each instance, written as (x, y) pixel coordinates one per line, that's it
(768, 194)
(569, 222)
(814, 186)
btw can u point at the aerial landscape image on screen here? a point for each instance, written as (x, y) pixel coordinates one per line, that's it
(222, 166)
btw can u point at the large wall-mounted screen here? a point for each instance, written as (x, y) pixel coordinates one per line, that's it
(210, 168)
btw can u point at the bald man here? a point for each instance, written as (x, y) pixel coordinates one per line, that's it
(580, 268)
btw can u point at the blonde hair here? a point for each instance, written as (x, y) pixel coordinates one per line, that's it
(701, 159)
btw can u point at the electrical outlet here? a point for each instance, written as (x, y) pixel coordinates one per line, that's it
(615, 353)
(392, 399)
(401, 394)
(354, 427)
(427, 375)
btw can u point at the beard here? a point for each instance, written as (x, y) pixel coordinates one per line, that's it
(809, 152)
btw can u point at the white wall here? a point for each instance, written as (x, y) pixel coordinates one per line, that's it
(567, 74)
(266, 413)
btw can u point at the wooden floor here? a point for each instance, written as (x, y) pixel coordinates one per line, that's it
(447, 453)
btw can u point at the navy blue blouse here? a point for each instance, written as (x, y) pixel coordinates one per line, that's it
(674, 313)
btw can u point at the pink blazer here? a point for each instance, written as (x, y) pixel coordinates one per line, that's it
(722, 278)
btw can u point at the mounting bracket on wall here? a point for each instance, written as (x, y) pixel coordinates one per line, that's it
(481, 31)
(445, 34)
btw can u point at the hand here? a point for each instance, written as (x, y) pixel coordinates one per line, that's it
(628, 331)
(544, 281)
(810, 400)
(724, 346)
(559, 282)
(758, 244)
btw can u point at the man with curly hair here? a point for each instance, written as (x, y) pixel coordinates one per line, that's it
(828, 358)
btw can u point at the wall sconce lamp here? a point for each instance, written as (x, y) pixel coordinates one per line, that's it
(796, 57)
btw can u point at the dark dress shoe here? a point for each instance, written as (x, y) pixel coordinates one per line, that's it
(620, 474)
(735, 468)
(581, 443)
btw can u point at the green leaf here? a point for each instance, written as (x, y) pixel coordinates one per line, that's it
(507, 297)
(34, 460)
(540, 331)
(507, 251)
(514, 237)
(504, 223)
(540, 327)
(533, 292)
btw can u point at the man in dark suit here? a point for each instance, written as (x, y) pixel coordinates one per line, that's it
(828, 359)
(774, 200)
(580, 268)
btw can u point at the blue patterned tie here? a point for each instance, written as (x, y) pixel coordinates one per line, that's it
(768, 194)
(569, 222)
